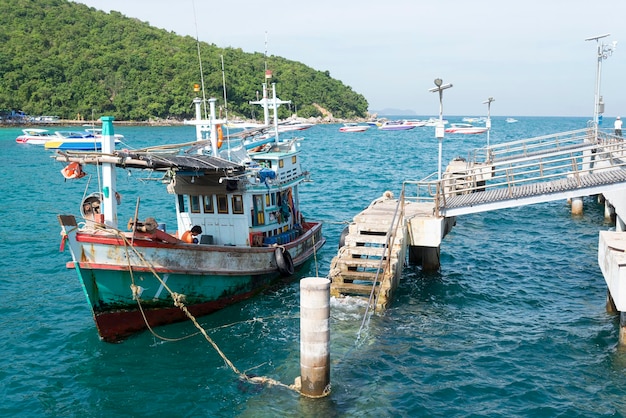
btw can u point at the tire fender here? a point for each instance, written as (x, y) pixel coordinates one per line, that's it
(284, 262)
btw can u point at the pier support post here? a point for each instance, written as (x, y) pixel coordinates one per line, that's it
(577, 206)
(609, 212)
(314, 337)
(622, 329)
(610, 303)
(427, 257)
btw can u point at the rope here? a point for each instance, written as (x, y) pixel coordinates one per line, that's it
(179, 302)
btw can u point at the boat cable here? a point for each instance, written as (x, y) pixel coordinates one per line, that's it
(195, 21)
(179, 302)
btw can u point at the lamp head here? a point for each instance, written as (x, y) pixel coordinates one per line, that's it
(438, 82)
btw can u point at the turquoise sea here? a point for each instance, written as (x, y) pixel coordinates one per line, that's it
(513, 325)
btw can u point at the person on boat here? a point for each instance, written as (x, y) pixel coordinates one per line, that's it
(618, 126)
(190, 236)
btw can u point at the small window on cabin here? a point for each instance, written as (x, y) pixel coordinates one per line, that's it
(238, 204)
(222, 203)
(281, 163)
(181, 203)
(195, 204)
(273, 199)
(208, 204)
(294, 159)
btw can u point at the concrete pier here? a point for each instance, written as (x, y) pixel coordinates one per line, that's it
(374, 252)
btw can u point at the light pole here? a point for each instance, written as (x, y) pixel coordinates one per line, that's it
(604, 51)
(488, 124)
(439, 128)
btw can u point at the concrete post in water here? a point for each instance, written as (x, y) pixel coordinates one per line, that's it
(109, 186)
(577, 206)
(622, 329)
(314, 336)
(427, 257)
(609, 212)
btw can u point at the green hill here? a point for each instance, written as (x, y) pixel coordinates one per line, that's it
(63, 58)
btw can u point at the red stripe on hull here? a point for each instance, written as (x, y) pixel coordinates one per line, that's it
(114, 327)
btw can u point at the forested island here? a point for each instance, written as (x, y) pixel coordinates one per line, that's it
(70, 60)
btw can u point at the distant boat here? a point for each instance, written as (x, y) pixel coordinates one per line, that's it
(353, 127)
(77, 140)
(293, 126)
(511, 120)
(395, 125)
(434, 122)
(415, 122)
(376, 123)
(474, 120)
(35, 136)
(465, 128)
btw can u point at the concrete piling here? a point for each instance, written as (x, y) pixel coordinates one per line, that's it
(577, 206)
(314, 336)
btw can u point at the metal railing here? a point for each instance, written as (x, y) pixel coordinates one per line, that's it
(526, 162)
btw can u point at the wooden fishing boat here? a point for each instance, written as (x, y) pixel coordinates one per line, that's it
(242, 193)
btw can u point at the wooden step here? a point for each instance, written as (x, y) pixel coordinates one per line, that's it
(351, 289)
(363, 263)
(355, 240)
(349, 251)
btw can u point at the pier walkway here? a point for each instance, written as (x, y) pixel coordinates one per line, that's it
(374, 247)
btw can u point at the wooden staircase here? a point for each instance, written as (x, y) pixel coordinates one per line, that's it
(372, 255)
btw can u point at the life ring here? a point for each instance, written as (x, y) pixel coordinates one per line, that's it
(284, 262)
(220, 136)
(73, 171)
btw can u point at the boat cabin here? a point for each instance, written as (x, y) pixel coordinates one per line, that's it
(254, 205)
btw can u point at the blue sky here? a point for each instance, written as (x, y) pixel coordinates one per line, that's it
(530, 56)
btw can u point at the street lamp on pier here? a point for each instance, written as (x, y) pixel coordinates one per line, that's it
(604, 51)
(439, 128)
(488, 124)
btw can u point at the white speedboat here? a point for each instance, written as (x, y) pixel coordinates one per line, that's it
(465, 128)
(34, 136)
(353, 127)
(395, 125)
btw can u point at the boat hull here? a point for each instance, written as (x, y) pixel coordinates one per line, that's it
(129, 282)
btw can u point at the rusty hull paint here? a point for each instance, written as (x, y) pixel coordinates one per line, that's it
(114, 327)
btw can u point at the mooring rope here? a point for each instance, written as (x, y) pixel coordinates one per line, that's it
(179, 302)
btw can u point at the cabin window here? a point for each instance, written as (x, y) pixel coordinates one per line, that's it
(208, 204)
(194, 204)
(294, 159)
(258, 215)
(273, 199)
(222, 203)
(281, 163)
(181, 203)
(237, 203)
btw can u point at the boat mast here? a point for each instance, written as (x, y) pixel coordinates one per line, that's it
(210, 125)
(109, 186)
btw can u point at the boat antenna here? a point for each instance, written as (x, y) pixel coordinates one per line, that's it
(265, 52)
(224, 87)
(195, 21)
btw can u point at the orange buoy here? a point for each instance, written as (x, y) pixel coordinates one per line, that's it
(73, 171)
(220, 136)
